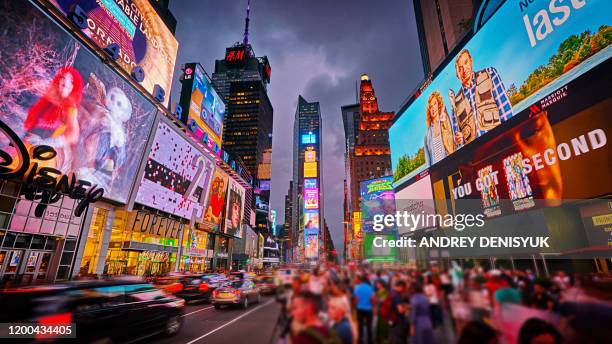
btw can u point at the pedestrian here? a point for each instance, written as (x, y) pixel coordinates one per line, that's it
(540, 298)
(477, 332)
(432, 294)
(398, 319)
(538, 331)
(306, 327)
(421, 330)
(383, 312)
(364, 297)
(339, 314)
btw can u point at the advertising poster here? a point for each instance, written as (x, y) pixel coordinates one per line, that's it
(55, 92)
(310, 169)
(311, 246)
(545, 45)
(415, 197)
(205, 109)
(176, 175)
(376, 254)
(143, 38)
(216, 199)
(311, 198)
(310, 155)
(235, 206)
(311, 222)
(377, 197)
(310, 184)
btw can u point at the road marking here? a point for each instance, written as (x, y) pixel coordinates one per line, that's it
(231, 322)
(199, 310)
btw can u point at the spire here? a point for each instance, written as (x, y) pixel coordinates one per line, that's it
(245, 40)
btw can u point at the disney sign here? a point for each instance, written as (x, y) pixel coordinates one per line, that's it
(45, 184)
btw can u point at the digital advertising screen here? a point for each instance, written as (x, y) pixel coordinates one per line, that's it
(311, 246)
(311, 198)
(311, 222)
(310, 183)
(204, 109)
(143, 38)
(309, 138)
(377, 198)
(55, 92)
(176, 176)
(235, 206)
(310, 170)
(374, 250)
(543, 46)
(415, 197)
(310, 155)
(216, 199)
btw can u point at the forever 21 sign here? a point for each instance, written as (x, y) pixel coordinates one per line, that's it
(45, 184)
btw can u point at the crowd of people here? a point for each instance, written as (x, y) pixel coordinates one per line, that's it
(366, 305)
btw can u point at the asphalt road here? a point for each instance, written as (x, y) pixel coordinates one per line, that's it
(204, 324)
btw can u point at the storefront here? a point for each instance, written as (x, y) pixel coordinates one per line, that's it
(140, 242)
(222, 252)
(198, 248)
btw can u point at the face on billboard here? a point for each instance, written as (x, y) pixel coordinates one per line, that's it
(206, 110)
(310, 169)
(216, 199)
(176, 175)
(56, 93)
(235, 204)
(311, 198)
(142, 36)
(483, 87)
(311, 222)
(377, 198)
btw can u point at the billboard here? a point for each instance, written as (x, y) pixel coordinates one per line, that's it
(310, 170)
(55, 92)
(176, 175)
(415, 197)
(216, 199)
(235, 206)
(310, 155)
(376, 253)
(483, 86)
(377, 198)
(311, 222)
(311, 198)
(310, 183)
(357, 230)
(309, 138)
(203, 108)
(311, 246)
(143, 38)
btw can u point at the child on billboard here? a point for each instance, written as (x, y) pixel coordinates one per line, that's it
(481, 103)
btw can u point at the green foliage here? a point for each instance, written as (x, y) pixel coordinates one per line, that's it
(574, 50)
(407, 164)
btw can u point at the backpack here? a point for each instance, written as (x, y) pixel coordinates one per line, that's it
(331, 338)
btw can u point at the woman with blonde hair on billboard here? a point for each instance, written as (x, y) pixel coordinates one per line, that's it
(440, 136)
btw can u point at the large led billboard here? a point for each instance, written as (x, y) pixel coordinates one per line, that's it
(176, 176)
(525, 51)
(377, 198)
(55, 92)
(311, 246)
(310, 183)
(415, 197)
(375, 252)
(310, 155)
(311, 198)
(203, 108)
(235, 209)
(216, 199)
(143, 38)
(309, 138)
(311, 222)
(310, 170)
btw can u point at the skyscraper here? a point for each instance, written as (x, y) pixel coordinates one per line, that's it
(307, 214)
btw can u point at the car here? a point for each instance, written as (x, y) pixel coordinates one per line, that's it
(266, 284)
(239, 292)
(112, 311)
(171, 284)
(196, 287)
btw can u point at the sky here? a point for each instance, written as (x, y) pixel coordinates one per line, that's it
(317, 49)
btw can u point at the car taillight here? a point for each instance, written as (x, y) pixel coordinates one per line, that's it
(203, 287)
(237, 292)
(215, 292)
(56, 319)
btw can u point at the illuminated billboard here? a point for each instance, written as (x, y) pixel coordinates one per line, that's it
(203, 109)
(216, 199)
(415, 197)
(310, 169)
(377, 198)
(310, 183)
(311, 246)
(310, 155)
(176, 175)
(311, 222)
(540, 47)
(311, 198)
(375, 252)
(55, 92)
(143, 38)
(234, 212)
(357, 232)
(309, 138)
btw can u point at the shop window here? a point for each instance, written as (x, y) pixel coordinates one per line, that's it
(62, 273)
(9, 239)
(51, 244)
(91, 253)
(38, 242)
(23, 241)
(66, 258)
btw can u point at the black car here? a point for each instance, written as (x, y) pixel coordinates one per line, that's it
(102, 310)
(196, 287)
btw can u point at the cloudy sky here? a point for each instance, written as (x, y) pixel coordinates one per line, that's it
(316, 48)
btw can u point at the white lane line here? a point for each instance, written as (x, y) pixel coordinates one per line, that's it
(199, 310)
(231, 322)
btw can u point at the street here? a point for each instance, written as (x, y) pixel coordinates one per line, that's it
(204, 324)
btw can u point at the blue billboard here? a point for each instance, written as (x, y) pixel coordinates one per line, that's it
(524, 52)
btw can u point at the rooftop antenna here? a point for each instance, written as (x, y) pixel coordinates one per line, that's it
(245, 40)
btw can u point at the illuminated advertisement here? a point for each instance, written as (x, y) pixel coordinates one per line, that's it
(415, 197)
(375, 252)
(143, 38)
(203, 109)
(377, 197)
(559, 153)
(235, 205)
(546, 44)
(357, 232)
(310, 169)
(310, 183)
(310, 155)
(311, 222)
(264, 185)
(216, 199)
(311, 246)
(176, 175)
(311, 198)
(309, 138)
(55, 92)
